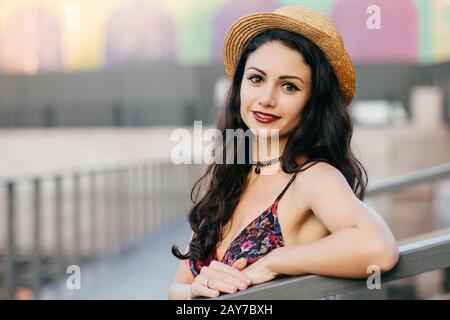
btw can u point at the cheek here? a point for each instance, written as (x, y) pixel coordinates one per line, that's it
(293, 106)
(292, 111)
(248, 93)
(247, 98)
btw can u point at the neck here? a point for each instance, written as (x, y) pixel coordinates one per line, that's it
(267, 149)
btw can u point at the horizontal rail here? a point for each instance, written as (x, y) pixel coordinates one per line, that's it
(68, 171)
(420, 176)
(415, 258)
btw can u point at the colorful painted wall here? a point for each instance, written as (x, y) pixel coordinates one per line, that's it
(62, 35)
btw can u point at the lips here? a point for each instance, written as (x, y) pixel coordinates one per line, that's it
(263, 117)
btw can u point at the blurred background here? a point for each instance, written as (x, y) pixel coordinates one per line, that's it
(91, 91)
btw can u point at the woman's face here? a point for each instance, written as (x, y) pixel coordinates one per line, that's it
(276, 82)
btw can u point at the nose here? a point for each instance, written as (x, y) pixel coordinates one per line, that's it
(267, 97)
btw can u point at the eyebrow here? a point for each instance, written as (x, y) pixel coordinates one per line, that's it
(281, 77)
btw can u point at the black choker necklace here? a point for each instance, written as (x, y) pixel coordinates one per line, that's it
(265, 163)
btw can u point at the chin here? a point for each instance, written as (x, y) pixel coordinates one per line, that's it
(264, 131)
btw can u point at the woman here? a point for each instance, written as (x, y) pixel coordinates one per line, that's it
(299, 210)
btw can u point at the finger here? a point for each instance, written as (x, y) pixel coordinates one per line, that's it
(198, 290)
(216, 265)
(230, 275)
(221, 285)
(240, 263)
(225, 282)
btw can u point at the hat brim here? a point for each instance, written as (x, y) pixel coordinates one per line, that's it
(248, 26)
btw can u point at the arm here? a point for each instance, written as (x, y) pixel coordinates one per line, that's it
(359, 236)
(180, 288)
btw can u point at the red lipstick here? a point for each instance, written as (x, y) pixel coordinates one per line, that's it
(264, 117)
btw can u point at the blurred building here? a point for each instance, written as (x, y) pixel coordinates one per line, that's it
(148, 62)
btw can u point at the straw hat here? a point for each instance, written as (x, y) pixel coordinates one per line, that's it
(307, 22)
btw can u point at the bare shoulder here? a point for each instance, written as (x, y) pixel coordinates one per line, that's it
(322, 184)
(320, 175)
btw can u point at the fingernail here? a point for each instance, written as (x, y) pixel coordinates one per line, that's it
(249, 281)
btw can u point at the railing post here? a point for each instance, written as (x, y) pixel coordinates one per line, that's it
(140, 199)
(76, 218)
(119, 208)
(122, 206)
(58, 226)
(111, 209)
(183, 189)
(189, 185)
(177, 179)
(106, 208)
(127, 204)
(162, 206)
(37, 238)
(135, 204)
(157, 207)
(145, 199)
(139, 204)
(168, 193)
(153, 196)
(173, 180)
(130, 204)
(11, 276)
(93, 213)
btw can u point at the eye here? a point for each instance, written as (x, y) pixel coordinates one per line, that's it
(252, 78)
(290, 86)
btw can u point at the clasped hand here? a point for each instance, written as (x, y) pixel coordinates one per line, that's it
(220, 277)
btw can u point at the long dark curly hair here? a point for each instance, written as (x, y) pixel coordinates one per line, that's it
(323, 133)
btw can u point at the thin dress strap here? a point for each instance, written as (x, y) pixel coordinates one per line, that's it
(285, 188)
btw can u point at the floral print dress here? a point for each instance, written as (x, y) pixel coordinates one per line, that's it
(261, 236)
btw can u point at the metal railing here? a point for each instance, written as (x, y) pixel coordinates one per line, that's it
(417, 177)
(55, 219)
(416, 257)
